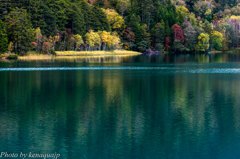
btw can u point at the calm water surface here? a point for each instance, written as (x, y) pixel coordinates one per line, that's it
(182, 107)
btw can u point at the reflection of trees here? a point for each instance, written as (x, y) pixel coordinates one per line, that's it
(208, 106)
(89, 113)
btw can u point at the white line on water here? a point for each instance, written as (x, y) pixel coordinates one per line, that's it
(83, 68)
(165, 69)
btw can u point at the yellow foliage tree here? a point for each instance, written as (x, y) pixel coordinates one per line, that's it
(93, 39)
(217, 40)
(182, 12)
(115, 20)
(105, 38)
(203, 42)
(78, 40)
(110, 40)
(115, 40)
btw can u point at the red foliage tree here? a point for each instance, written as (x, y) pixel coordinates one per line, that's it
(47, 47)
(178, 33)
(34, 44)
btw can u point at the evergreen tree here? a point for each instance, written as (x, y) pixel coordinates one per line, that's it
(100, 20)
(3, 38)
(59, 9)
(158, 36)
(76, 19)
(142, 36)
(42, 16)
(19, 29)
(95, 18)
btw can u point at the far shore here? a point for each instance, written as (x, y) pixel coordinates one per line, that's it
(83, 55)
(61, 55)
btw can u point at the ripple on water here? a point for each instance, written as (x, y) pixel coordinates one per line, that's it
(160, 69)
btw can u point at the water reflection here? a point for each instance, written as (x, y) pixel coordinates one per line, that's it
(128, 60)
(121, 114)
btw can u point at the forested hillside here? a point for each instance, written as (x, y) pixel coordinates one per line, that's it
(160, 25)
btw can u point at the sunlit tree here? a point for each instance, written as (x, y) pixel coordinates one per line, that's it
(182, 13)
(38, 39)
(109, 40)
(78, 41)
(93, 39)
(203, 42)
(217, 40)
(115, 20)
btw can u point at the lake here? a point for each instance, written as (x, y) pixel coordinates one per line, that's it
(170, 107)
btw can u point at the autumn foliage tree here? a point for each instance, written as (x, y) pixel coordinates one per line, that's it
(115, 20)
(78, 41)
(158, 35)
(109, 40)
(203, 42)
(93, 40)
(178, 35)
(190, 35)
(38, 39)
(182, 13)
(217, 40)
(233, 30)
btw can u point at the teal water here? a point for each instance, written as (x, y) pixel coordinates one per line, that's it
(141, 108)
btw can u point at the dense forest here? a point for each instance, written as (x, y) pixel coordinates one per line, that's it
(160, 25)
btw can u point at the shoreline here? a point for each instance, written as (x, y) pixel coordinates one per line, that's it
(66, 55)
(72, 56)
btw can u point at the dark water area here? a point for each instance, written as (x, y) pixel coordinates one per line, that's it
(171, 107)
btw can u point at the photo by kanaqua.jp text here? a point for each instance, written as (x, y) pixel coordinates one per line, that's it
(30, 155)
